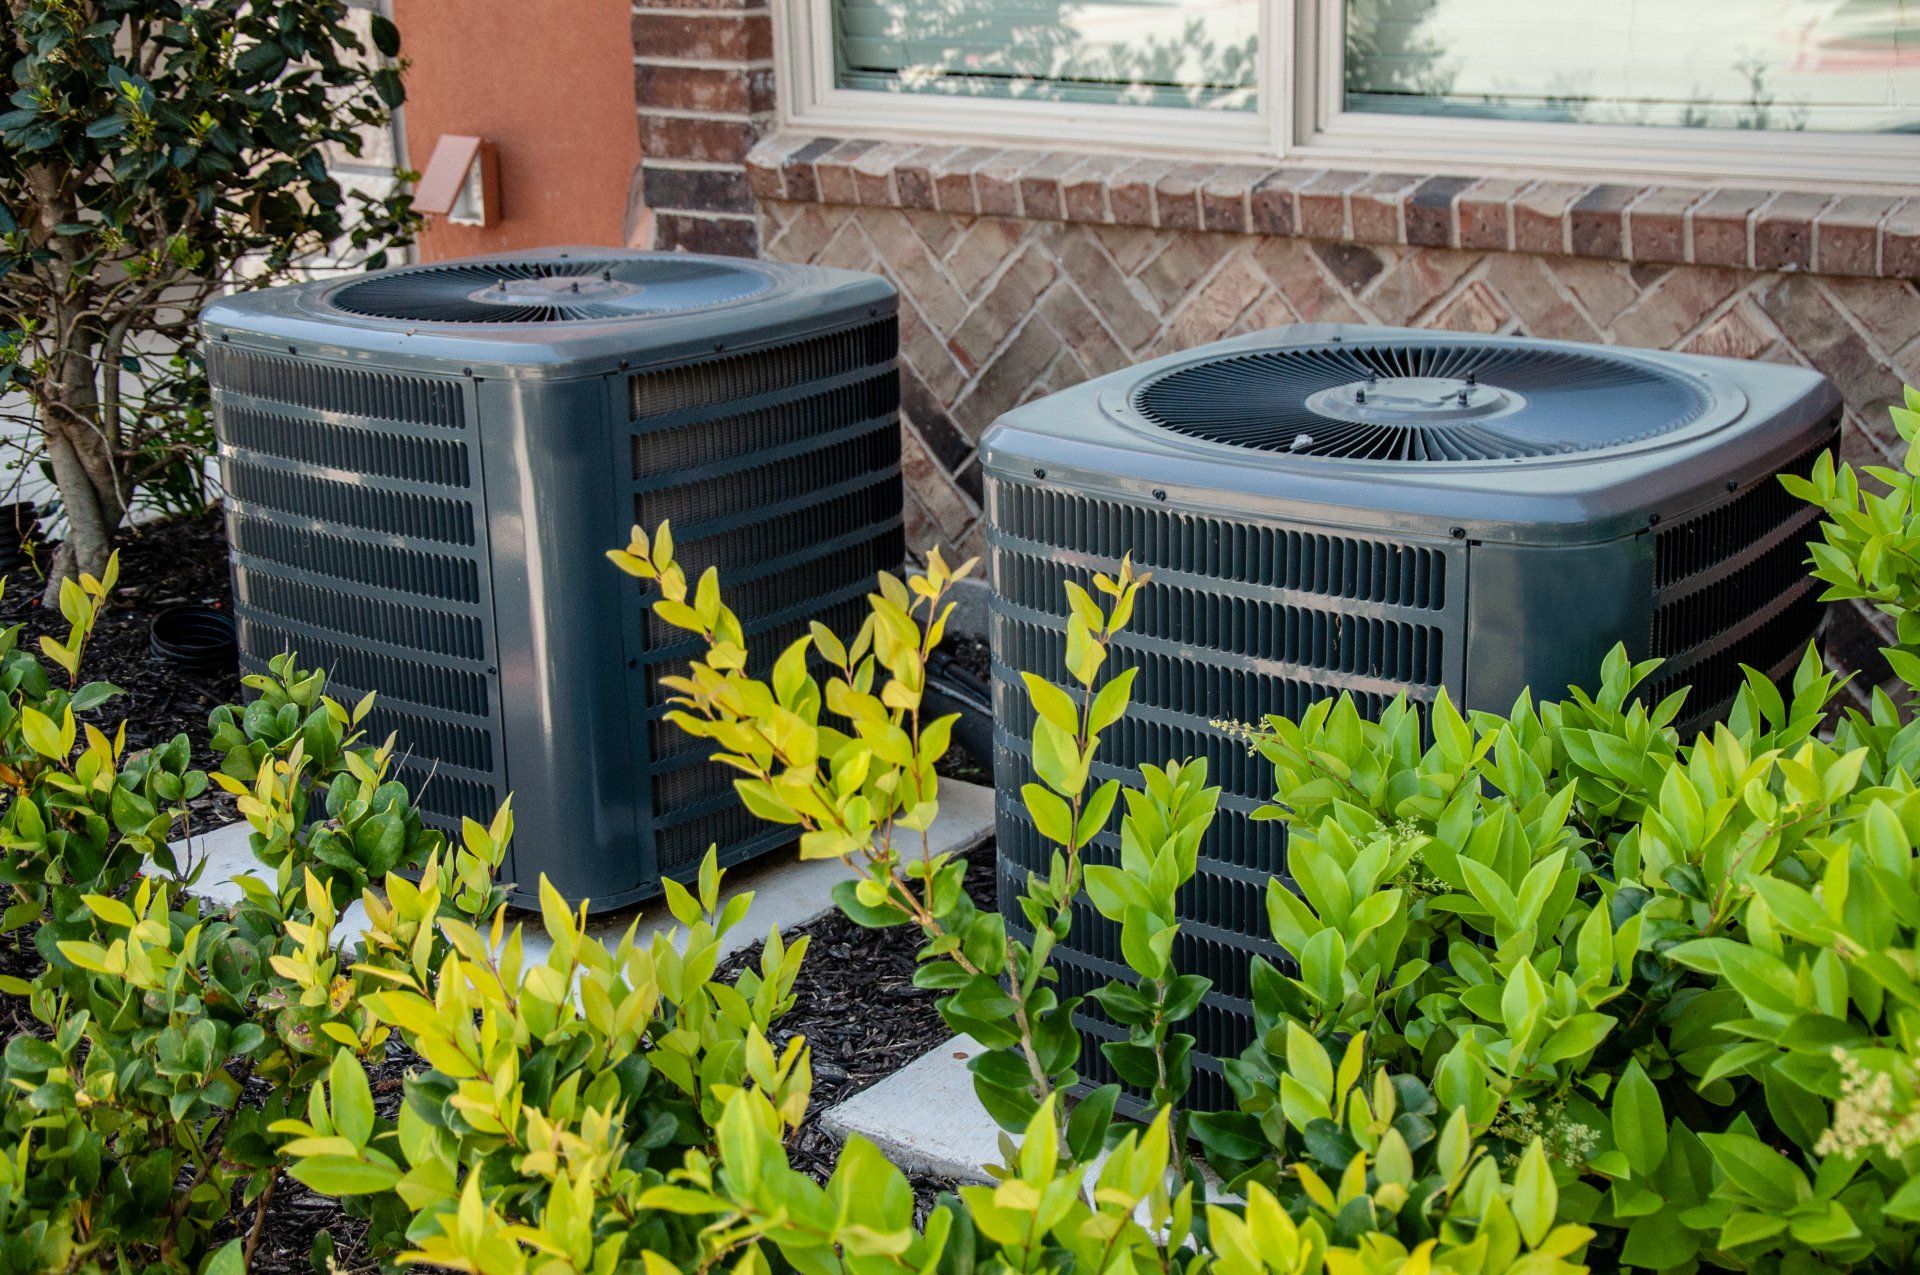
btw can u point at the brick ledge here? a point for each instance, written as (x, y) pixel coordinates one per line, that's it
(1869, 235)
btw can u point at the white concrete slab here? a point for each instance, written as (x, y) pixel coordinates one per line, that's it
(787, 892)
(925, 1117)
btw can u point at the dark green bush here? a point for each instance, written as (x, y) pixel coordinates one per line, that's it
(154, 153)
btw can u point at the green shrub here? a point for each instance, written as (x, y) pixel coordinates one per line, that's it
(135, 1129)
(1566, 991)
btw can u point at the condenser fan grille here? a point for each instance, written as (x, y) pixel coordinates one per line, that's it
(546, 290)
(1421, 401)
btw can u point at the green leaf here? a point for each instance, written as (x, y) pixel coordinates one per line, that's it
(343, 1175)
(1050, 813)
(42, 735)
(229, 1259)
(1535, 1197)
(1094, 815)
(386, 36)
(1110, 705)
(1639, 1122)
(1757, 1170)
(1053, 704)
(353, 1114)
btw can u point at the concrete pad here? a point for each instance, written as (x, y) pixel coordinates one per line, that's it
(925, 1117)
(787, 891)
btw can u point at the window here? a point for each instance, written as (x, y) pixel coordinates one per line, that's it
(1850, 67)
(1817, 92)
(1139, 52)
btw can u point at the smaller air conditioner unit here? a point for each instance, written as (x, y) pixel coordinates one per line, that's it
(1378, 511)
(426, 465)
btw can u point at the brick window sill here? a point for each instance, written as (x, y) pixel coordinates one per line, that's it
(1866, 235)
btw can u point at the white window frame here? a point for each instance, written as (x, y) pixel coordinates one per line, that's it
(1301, 120)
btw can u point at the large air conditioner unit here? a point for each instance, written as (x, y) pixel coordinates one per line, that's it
(1330, 508)
(425, 467)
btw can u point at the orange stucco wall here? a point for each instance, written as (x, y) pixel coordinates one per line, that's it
(551, 85)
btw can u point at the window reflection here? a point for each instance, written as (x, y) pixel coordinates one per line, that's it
(1848, 66)
(1186, 53)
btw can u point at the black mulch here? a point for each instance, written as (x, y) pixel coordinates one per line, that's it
(179, 561)
(971, 654)
(863, 1018)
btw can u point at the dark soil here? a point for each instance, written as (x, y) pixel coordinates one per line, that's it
(971, 654)
(162, 564)
(863, 1018)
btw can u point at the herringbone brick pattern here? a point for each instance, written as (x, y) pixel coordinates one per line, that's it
(998, 310)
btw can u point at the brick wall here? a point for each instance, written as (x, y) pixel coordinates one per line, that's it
(1022, 273)
(703, 82)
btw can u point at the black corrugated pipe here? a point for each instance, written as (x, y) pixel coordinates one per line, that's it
(952, 689)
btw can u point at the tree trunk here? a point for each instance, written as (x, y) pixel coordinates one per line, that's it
(91, 519)
(85, 469)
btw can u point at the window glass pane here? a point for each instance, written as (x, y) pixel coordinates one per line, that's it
(1845, 66)
(1196, 53)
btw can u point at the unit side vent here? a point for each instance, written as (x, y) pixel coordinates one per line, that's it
(325, 387)
(1243, 619)
(1204, 690)
(1333, 641)
(445, 798)
(373, 619)
(330, 468)
(1772, 645)
(776, 482)
(429, 685)
(799, 584)
(1277, 557)
(680, 847)
(1732, 588)
(746, 375)
(792, 423)
(1697, 544)
(399, 513)
(734, 546)
(329, 444)
(430, 575)
(780, 468)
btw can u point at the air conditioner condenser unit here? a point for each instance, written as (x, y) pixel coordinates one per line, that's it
(1330, 509)
(425, 467)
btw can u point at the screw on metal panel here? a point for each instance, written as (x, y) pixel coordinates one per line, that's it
(719, 346)
(1473, 378)
(1039, 473)
(1159, 494)
(292, 349)
(1359, 396)
(606, 276)
(1733, 484)
(1653, 520)
(576, 285)
(1463, 398)
(1458, 533)
(466, 371)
